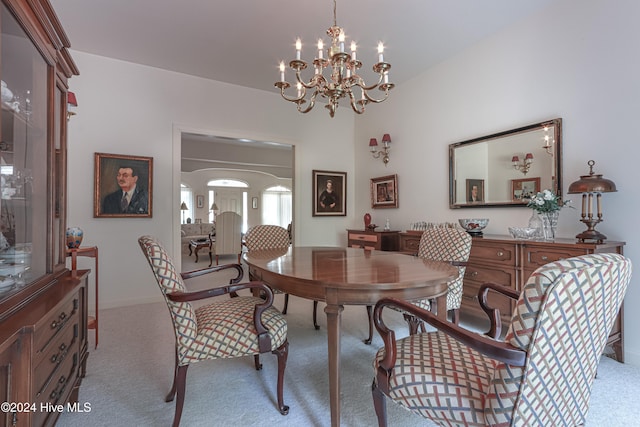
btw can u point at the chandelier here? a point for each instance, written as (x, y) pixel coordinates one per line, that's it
(343, 81)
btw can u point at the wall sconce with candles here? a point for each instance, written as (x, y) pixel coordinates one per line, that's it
(525, 165)
(548, 142)
(591, 185)
(386, 146)
(71, 102)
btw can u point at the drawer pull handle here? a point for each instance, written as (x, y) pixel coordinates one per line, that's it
(59, 357)
(544, 257)
(60, 320)
(500, 253)
(473, 274)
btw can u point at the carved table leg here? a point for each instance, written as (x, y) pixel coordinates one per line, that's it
(333, 337)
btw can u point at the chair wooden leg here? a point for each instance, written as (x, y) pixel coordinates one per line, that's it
(379, 404)
(256, 360)
(172, 392)
(282, 352)
(370, 316)
(455, 315)
(315, 315)
(286, 303)
(181, 382)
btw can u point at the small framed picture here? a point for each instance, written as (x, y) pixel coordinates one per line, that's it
(122, 186)
(329, 193)
(475, 190)
(200, 201)
(254, 202)
(384, 192)
(522, 190)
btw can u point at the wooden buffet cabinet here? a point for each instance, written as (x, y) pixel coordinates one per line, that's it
(43, 306)
(510, 262)
(507, 261)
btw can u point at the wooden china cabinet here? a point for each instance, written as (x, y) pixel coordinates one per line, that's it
(43, 306)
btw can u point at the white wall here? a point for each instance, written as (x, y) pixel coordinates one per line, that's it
(126, 108)
(577, 62)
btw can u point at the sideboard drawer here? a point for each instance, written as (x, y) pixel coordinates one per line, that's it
(480, 274)
(498, 253)
(60, 349)
(537, 257)
(55, 321)
(363, 237)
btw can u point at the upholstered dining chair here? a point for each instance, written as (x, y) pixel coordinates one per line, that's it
(225, 328)
(228, 235)
(541, 374)
(447, 244)
(262, 237)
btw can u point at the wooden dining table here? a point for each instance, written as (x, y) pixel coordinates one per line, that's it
(349, 276)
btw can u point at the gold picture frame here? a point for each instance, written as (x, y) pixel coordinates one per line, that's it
(384, 192)
(114, 173)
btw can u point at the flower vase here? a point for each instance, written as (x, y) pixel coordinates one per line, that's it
(535, 222)
(549, 224)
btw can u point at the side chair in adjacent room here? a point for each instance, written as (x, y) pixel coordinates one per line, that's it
(228, 327)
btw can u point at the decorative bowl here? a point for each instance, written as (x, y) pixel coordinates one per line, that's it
(473, 226)
(524, 233)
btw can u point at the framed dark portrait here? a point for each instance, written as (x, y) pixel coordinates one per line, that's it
(475, 191)
(329, 193)
(122, 186)
(384, 192)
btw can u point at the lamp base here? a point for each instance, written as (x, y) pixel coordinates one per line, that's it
(591, 235)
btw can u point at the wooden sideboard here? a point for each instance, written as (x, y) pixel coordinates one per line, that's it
(410, 241)
(510, 262)
(378, 240)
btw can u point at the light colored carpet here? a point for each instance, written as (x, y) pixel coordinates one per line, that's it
(131, 372)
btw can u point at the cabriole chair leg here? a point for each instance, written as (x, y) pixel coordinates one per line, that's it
(370, 316)
(172, 392)
(282, 352)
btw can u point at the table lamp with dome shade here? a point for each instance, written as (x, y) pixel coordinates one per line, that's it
(592, 185)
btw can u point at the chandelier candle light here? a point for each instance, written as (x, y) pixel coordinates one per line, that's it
(344, 80)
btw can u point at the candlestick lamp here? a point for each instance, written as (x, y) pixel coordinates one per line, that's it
(591, 186)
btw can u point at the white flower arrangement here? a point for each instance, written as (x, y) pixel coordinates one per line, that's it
(546, 201)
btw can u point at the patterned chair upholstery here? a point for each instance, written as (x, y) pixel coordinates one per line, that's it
(540, 375)
(225, 328)
(440, 243)
(261, 237)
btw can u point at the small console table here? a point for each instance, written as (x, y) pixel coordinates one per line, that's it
(378, 240)
(91, 252)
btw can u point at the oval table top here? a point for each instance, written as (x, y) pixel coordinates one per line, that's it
(315, 268)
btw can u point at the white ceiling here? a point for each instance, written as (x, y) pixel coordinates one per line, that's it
(242, 41)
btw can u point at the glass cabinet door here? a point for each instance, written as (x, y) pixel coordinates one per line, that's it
(24, 159)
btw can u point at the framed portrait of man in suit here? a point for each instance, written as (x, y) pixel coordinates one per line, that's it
(122, 186)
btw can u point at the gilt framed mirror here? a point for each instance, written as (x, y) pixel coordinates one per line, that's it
(504, 160)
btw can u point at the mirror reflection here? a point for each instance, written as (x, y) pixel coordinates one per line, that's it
(506, 168)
